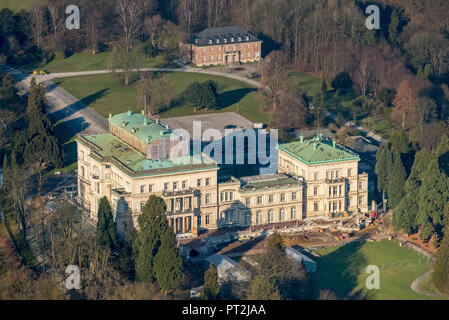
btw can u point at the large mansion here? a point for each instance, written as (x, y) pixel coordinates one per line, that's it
(222, 46)
(315, 177)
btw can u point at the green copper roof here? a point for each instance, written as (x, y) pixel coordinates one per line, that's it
(317, 150)
(145, 128)
(108, 148)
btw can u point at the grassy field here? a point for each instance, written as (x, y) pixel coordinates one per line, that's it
(342, 270)
(16, 5)
(105, 94)
(85, 61)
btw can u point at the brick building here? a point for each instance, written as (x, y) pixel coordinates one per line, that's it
(222, 46)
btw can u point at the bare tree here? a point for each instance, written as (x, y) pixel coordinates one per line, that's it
(274, 77)
(189, 12)
(38, 23)
(129, 12)
(57, 21)
(214, 12)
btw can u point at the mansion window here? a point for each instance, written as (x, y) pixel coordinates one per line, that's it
(142, 204)
(184, 184)
(255, 46)
(247, 201)
(142, 189)
(204, 50)
(175, 185)
(334, 206)
(207, 199)
(282, 197)
(107, 176)
(207, 181)
(270, 216)
(198, 183)
(293, 196)
(349, 172)
(199, 221)
(204, 59)
(259, 217)
(360, 185)
(97, 187)
(259, 199)
(270, 198)
(227, 196)
(83, 172)
(293, 213)
(218, 58)
(360, 201)
(248, 55)
(334, 190)
(165, 186)
(315, 191)
(315, 176)
(315, 206)
(211, 58)
(150, 188)
(207, 219)
(282, 214)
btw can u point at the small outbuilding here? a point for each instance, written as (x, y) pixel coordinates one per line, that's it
(228, 269)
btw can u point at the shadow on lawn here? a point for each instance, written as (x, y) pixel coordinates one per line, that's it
(339, 272)
(229, 98)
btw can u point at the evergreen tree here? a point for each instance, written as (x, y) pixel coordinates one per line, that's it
(168, 262)
(393, 28)
(211, 288)
(106, 226)
(396, 183)
(324, 86)
(404, 215)
(440, 276)
(400, 142)
(262, 288)
(152, 224)
(384, 165)
(434, 192)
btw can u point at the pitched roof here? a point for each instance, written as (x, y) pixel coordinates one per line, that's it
(142, 127)
(223, 35)
(317, 150)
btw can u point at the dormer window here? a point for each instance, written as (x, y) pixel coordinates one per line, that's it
(210, 41)
(196, 40)
(225, 40)
(217, 41)
(232, 39)
(240, 39)
(247, 38)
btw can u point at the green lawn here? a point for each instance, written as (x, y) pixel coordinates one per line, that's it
(85, 61)
(105, 94)
(342, 270)
(16, 5)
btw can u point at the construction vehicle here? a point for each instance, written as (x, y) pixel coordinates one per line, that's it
(346, 214)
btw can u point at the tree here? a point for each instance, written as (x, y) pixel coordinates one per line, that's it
(292, 111)
(434, 192)
(405, 214)
(426, 110)
(440, 275)
(152, 224)
(106, 226)
(319, 110)
(274, 76)
(403, 105)
(396, 182)
(342, 82)
(324, 86)
(125, 60)
(393, 28)
(202, 95)
(129, 12)
(262, 288)
(168, 262)
(158, 92)
(400, 142)
(384, 165)
(386, 96)
(211, 288)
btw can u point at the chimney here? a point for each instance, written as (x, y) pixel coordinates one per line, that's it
(143, 112)
(301, 138)
(333, 143)
(157, 120)
(123, 124)
(166, 126)
(110, 115)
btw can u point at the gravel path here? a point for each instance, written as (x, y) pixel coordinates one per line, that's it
(417, 282)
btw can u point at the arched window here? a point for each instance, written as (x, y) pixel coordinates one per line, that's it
(270, 216)
(293, 213)
(96, 171)
(282, 214)
(259, 217)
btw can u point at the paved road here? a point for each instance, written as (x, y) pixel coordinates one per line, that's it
(417, 282)
(62, 105)
(82, 118)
